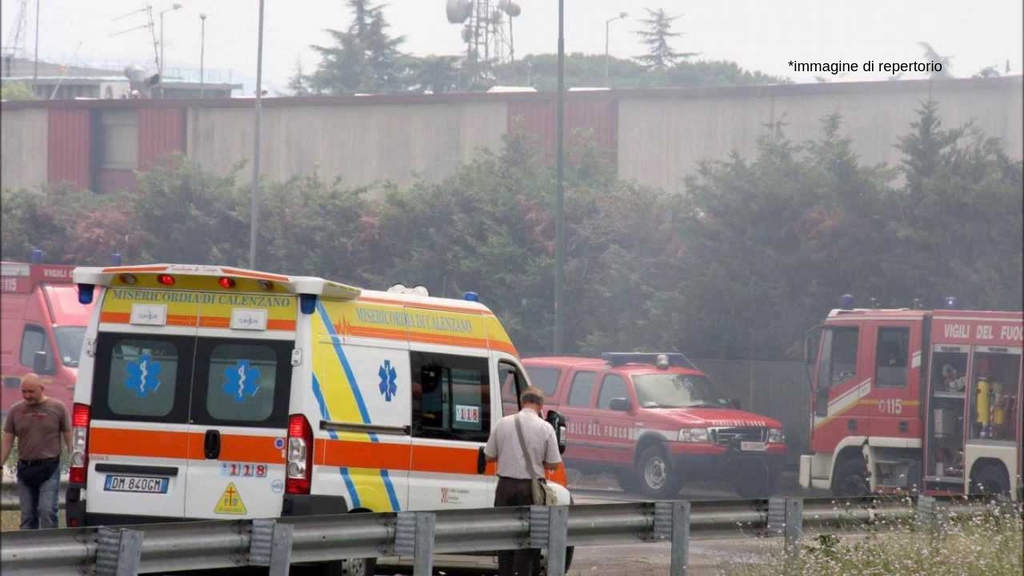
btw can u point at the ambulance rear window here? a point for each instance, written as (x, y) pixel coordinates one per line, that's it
(241, 382)
(142, 377)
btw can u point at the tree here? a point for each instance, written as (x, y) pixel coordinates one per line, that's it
(364, 58)
(16, 91)
(656, 37)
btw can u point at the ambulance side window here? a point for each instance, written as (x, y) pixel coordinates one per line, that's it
(142, 378)
(512, 385)
(451, 397)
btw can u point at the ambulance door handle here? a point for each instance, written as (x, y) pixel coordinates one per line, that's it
(481, 461)
(211, 444)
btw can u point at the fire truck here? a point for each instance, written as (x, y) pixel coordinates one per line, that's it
(915, 400)
(43, 327)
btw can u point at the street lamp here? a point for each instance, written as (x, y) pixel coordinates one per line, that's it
(173, 7)
(606, 24)
(202, 55)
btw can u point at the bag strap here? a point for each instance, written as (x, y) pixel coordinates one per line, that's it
(522, 444)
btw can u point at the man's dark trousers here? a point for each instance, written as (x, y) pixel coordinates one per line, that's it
(516, 492)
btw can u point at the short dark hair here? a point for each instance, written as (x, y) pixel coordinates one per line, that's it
(532, 395)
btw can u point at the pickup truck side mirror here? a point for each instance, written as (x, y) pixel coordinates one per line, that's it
(557, 422)
(619, 404)
(40, 361)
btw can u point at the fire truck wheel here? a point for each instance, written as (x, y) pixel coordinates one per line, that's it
(851, 479)
(657, 479)
(989, 480)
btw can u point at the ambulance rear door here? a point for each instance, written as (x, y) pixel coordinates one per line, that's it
(138, 440)
(239, 406)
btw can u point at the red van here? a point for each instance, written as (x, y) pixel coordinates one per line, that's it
(656, 421)
(40, 313)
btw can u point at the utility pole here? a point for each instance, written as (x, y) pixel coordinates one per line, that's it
(560, 191)
(253, 202)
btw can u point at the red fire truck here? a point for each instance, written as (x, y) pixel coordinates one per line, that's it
(906, 399)
(43, 325)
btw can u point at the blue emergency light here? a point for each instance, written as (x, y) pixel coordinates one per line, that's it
(846, 301)
(950, 302)
(307, 303)
(471, 296)
(85, 293)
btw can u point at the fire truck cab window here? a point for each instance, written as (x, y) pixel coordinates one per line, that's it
(994, 396)
(891, 357)
(838, 362)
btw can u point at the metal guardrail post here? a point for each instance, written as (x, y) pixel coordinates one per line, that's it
(793, 531)
(672, 522)
(118, 552)
(926, 512)
(414, 536)
(271, 545)
(558, 528)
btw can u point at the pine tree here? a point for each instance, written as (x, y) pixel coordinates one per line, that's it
(656, 37)
(364, 58)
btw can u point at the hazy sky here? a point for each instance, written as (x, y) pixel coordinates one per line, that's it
(758, 34)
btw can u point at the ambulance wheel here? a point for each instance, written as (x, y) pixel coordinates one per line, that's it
(655, 474)
(350, 567)
(544, 560)
(851, 480)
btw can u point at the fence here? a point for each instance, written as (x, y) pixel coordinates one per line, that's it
(420, 535)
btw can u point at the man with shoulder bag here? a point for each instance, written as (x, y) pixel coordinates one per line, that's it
(523, 444)
(39, 423)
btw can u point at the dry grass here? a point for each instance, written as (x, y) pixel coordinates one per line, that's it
(988, 544)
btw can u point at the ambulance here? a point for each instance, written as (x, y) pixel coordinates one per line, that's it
(218, 392)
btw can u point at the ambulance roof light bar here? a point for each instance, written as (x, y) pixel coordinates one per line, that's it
(292, 284)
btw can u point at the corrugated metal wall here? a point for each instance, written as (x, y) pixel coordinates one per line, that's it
(587, 120)
(69, 138)
(161, 134)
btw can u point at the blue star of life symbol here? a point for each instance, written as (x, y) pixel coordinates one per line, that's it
(143, 376)
(242, 381)
(388, 386)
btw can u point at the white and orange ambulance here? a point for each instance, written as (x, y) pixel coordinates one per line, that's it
(217, 392)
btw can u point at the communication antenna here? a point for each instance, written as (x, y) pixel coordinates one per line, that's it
(17, 34)
(148, 9)
(484, 32)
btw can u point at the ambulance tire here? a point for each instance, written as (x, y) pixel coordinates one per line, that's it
(655, 474)
(544, 561)
(350, 567)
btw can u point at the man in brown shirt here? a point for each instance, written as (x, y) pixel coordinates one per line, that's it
(38, 423)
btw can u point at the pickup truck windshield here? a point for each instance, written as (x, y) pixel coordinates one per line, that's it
(69, 343)
(675, 391)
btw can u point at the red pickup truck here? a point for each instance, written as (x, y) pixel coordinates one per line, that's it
(656, 421)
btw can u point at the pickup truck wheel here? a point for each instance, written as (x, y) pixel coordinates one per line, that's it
(655, 474)
(851, 479)
(627, 480)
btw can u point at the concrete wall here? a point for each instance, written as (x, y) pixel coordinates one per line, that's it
(664, 136)
(23, 146)
(361, 144)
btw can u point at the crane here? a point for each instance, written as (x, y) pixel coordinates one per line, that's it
(16, 37)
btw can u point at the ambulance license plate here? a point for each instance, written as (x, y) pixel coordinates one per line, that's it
(752, 446)
(144, 484)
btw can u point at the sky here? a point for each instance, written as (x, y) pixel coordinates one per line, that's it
(759, 35)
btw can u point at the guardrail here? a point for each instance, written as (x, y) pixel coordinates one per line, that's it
(420, 535)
